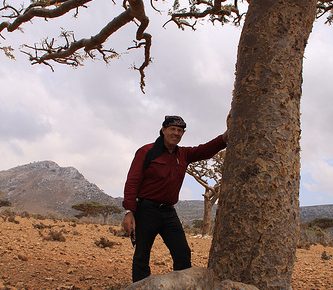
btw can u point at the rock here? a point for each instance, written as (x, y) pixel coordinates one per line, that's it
(190, 279)
(20, 285)
(22, 257)
(71, 271)
(231, 285)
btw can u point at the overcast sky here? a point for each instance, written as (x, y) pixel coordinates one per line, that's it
(95, 117)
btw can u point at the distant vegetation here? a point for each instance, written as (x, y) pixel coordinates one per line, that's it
(4, 202)
(317, 231)
(94, 209)
(323, 223)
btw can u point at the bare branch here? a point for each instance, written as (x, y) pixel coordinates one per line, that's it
(8, 50)
(69, 52)
(324, 7)
(66, 53)
(213, 9)
(45, 3)
(138, 12)
(206, 170)
(14, 13)
(34, 11)
(152, 5)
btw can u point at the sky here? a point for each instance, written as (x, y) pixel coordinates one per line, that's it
(95, 117)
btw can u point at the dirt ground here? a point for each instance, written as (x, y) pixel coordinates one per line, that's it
(32, 258)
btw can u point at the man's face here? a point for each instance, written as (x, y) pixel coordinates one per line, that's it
(172, 135)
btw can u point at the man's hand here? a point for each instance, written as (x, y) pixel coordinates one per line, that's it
(225, 137)
(225, 134)
(129, 223)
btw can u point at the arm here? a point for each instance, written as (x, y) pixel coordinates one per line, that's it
(207, 150)
(134, 180)
(132, 186)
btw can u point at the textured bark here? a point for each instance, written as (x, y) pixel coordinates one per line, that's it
(256, 228)
(207, 217)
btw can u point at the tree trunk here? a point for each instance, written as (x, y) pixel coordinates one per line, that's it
(256, 227)
(207, 217)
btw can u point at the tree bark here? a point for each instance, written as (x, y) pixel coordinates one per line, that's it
(256, 228)
(207, 217)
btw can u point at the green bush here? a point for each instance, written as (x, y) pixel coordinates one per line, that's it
(323, 223)
(312, 235)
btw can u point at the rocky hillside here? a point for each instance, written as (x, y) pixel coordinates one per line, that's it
(190, 210)
(309, 213)
(48, 189)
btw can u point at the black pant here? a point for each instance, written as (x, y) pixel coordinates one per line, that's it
(151, 220)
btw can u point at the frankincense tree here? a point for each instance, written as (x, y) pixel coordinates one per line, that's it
(256, 227)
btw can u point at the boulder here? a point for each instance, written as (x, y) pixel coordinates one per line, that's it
(190, 279)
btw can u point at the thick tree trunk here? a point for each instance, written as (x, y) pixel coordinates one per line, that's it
(207, 217)
(256, 227)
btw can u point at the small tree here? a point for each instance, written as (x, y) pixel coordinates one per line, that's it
(4, 202)
(206, 171)
(94, 209)
(197, 224)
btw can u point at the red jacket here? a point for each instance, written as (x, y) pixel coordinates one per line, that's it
(162, 180)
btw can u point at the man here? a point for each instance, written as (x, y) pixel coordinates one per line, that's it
(152, 188)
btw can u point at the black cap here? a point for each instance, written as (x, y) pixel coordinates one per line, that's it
(174, 121)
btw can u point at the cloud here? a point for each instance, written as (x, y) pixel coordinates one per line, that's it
(95, 117)
(316, 119)
(22, 115)
(317, 186)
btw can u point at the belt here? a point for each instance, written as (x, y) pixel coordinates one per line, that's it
(154, 203)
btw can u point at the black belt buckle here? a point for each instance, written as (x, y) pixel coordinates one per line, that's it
(154, 203)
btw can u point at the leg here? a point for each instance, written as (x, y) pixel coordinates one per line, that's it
(146, 231)
(174, 237)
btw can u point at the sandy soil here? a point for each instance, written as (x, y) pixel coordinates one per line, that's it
(28, 260)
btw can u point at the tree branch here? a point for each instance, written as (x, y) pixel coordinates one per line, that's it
(213, 9)
(138, 12)
(33, 11)
(68, 53)
(324, 7)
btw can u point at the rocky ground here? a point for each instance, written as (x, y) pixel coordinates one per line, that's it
(47, 254)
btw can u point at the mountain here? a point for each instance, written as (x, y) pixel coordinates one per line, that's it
(309, 213)
(48, 189)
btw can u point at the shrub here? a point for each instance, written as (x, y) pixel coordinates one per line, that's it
(197, 224)
(38, 216)
(312, 235)
(55, 236)
(12, 219)
(323, 223)
(117, 232)
(25, 214)
(325, 256)
(9, 216)
(104, 243)
(41, 226)
(4, 202)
